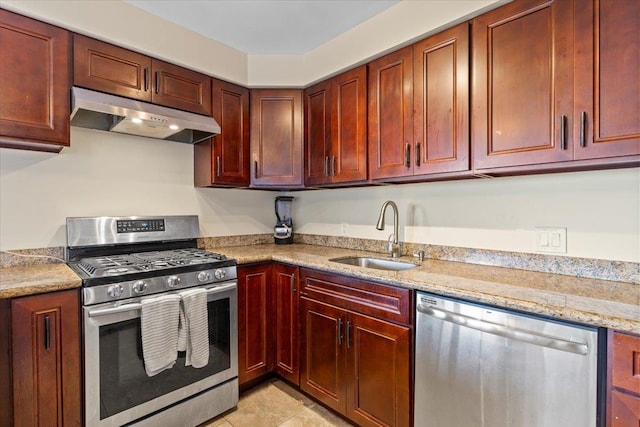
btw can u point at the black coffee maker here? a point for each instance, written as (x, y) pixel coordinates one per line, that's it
(283, 231)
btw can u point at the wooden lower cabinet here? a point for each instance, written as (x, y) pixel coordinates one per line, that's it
(45, 332)
(356, 364)
(285, 283)
(623, 395)
(254, 329)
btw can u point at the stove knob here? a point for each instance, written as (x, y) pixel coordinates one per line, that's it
(173, 281)
(219, 274)
(204, 276)
(115, 291)
(139, 287)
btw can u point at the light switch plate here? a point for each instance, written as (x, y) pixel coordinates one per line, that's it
(551, 240)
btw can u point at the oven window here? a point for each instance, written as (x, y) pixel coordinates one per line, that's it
(124, 383)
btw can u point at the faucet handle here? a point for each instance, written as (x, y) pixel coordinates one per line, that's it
(390, 243)
(420, 255)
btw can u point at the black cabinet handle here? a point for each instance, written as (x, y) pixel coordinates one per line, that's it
(47, 332)
(563, 132)
(157, 81)
(146, 79)
(407, 155)
(340, 332)
(255, 171)
(333, 165)
(348, 334)
(417, 154)
(583, 125)
(217, 165)
(326, 165)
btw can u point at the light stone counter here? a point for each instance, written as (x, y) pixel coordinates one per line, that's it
(597, 302)
(36, 279)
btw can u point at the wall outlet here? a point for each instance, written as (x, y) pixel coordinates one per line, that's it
(551, 240)
(344, 229)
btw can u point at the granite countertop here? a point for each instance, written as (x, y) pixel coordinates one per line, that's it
(36, 279)
(597, 302)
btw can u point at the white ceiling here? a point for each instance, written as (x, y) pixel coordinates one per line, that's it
(267, 27)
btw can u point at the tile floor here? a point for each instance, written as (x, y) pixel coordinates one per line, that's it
(276, 404)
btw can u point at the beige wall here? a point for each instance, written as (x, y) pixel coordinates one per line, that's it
(600, 210)
(128, 26)
(109, 174)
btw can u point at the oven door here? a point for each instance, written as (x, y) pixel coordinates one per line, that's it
(117, 388)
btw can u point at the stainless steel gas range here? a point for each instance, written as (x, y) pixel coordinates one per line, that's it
(124, 262)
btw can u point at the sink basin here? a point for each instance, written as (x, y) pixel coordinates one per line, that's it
(377, 263)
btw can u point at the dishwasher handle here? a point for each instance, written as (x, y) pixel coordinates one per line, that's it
(504, 331)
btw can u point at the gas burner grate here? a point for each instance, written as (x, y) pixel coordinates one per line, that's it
(114, 265)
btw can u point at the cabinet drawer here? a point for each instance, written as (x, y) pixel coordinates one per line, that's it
(625, 370)
(377, 300)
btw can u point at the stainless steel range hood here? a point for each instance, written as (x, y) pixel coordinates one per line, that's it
(96, 110)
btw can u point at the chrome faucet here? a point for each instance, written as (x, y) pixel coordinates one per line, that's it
(393, 248)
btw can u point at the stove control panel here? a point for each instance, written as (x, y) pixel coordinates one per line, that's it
(139, 225)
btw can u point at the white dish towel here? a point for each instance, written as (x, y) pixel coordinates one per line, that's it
(193, 333)
(159, 329)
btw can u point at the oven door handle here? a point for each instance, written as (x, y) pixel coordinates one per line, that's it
(114, 310)
(138, 306)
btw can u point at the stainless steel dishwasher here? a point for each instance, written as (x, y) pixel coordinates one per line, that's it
(478, 366)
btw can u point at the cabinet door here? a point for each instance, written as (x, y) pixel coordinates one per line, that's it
(607, 116)
(625, 410)
(391, 115)
(276, 138)
(46, 360)
(285, 279)
(253, 327)
(34, 84)
(441, 102)
(378, 374)
(180, 88)
(522, 84)
(224, 159)
(348, 162)
(322, 367)
(108, 68)
(317, 133)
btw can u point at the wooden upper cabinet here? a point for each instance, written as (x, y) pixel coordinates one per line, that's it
(441, 102)
(522, 89)
(317, 134)
(391, 115)
(276, 138)
(181, 88)
(419, 108)
(112, 69)
(34, 84)
(606, 121)
(336, 129)
(224, 159)
(348, 161)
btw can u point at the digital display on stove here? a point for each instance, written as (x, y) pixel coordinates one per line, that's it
(139, 225)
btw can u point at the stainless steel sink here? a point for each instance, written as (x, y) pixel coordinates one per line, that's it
(377, 263)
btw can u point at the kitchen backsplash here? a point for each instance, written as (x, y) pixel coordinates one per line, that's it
(571, 266)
